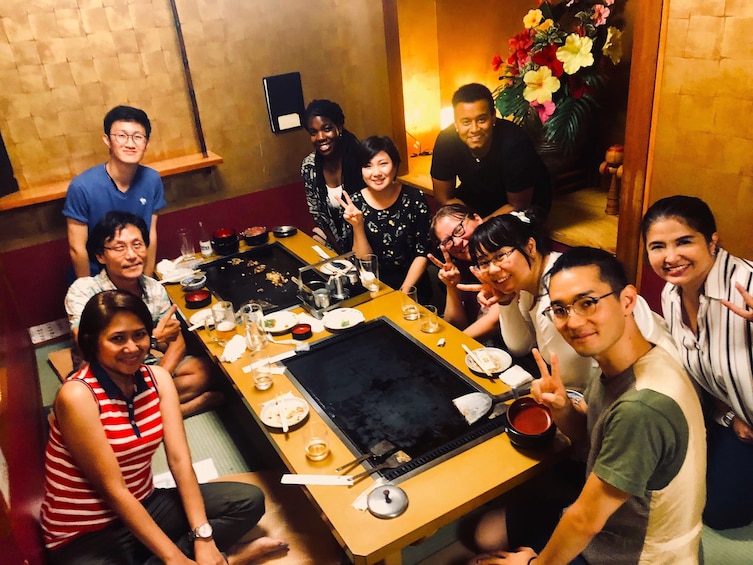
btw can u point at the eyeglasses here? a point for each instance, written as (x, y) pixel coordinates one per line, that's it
(121, 248)
(584, 307)
(122, 138)
(498, 258)
(459, 231)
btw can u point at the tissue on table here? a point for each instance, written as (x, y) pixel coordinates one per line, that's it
(169, 271)
(234, 349)
(515, 376)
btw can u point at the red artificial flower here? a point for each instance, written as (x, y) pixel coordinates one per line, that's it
(577, 87)
(497, 62)
(520, 46)
(548, 57)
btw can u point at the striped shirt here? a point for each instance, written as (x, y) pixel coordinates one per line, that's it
(71, 507)
(720, 355)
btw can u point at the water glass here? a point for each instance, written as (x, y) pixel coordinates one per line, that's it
(185, 241)
(224, 321)
(262, 376)
(256, 337)
(368, 268)
(315, 440)
(409, 304)
(431, 323)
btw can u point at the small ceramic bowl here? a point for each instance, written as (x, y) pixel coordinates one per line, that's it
(529, 424)
(193, 283)
(255, 235)
(301, 331)
(284, 231)
(198, 299)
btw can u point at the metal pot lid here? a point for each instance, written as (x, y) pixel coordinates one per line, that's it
(387, 501)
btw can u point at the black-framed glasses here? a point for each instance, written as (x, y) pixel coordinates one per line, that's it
(458, 231)
(122, 138)
(121, 248)
(584, 306)
(498, 258)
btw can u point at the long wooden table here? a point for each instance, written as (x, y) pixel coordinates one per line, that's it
(438, 495)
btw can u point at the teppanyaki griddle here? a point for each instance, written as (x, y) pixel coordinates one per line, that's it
(261, 274)
(375, 382)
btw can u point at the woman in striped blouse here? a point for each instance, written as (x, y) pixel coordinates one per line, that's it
(708, 305)
(100, 505)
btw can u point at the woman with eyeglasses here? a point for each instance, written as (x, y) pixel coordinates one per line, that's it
(451, 229)
(708, 304)
(513, 259)
(389, 219)
(331, 168)
(100, 504)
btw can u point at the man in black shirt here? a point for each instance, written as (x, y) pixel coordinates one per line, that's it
(495, 160)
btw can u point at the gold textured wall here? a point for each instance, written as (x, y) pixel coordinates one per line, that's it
(64, 63)
(703, 138)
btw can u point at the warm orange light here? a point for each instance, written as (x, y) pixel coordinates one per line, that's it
(446, 117)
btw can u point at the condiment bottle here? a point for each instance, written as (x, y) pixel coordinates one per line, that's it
(205, 243)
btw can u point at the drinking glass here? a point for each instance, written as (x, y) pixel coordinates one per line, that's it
(262, 376)
(185, 241)
(431, 323)
(224, 321)
(256, 337)
(409, 304)
(369, 271)
(316, 440)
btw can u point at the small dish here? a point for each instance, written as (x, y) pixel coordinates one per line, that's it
(255, 235)
(199, 318)
(301, 331)
(193, 283)
(342, 318)
(498, 360)
(337, 266)
(279, 322)
(529, 424)
(285, 231)
(295, 409)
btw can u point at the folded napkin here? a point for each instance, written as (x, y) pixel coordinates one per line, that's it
(515, 376)
(234, 349)
(273, 359)
(316, 325)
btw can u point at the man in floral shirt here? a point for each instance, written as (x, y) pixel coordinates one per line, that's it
(495, 160)
(119, 242)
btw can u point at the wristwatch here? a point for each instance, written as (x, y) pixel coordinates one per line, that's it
(201, 532)
(726, 420)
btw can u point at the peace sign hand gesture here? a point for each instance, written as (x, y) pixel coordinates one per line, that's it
(549, 390)
(449, 273)
(351, 213)
(746, 312)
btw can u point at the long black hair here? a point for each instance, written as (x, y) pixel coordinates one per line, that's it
(513, 230)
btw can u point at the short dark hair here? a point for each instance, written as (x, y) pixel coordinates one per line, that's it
(100, 311)
(456, 211)
(127, 114)
(325, 109)
(513, 229)
(376, 144)
(473, 92)
(611, 271)
(109, 225)
(690, 210)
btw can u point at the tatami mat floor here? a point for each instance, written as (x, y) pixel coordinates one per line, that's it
(209, 439)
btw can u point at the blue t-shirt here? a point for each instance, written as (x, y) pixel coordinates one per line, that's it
(93, 193)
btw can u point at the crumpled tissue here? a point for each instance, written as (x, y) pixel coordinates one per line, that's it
(515, 376)
(316, 325)
(234, 349)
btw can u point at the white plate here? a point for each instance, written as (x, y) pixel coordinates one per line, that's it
(341, 266)
(296, 409)
(197, 319)
(342, 318)
(499, 360)
(279, 322)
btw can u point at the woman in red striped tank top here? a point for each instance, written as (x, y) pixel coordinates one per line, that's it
(100, 505)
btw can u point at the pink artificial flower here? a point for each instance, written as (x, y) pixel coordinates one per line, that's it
(600, 15)
(608, 2)
(497, 62)
(545, 110)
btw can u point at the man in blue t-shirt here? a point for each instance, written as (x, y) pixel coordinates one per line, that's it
(495, 160)
(120, 184)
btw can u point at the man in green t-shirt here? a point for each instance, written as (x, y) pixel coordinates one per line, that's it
(641, 420)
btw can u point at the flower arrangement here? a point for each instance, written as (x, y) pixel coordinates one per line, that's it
(557, 67)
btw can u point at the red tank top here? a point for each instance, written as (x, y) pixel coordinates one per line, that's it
(71, 507)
